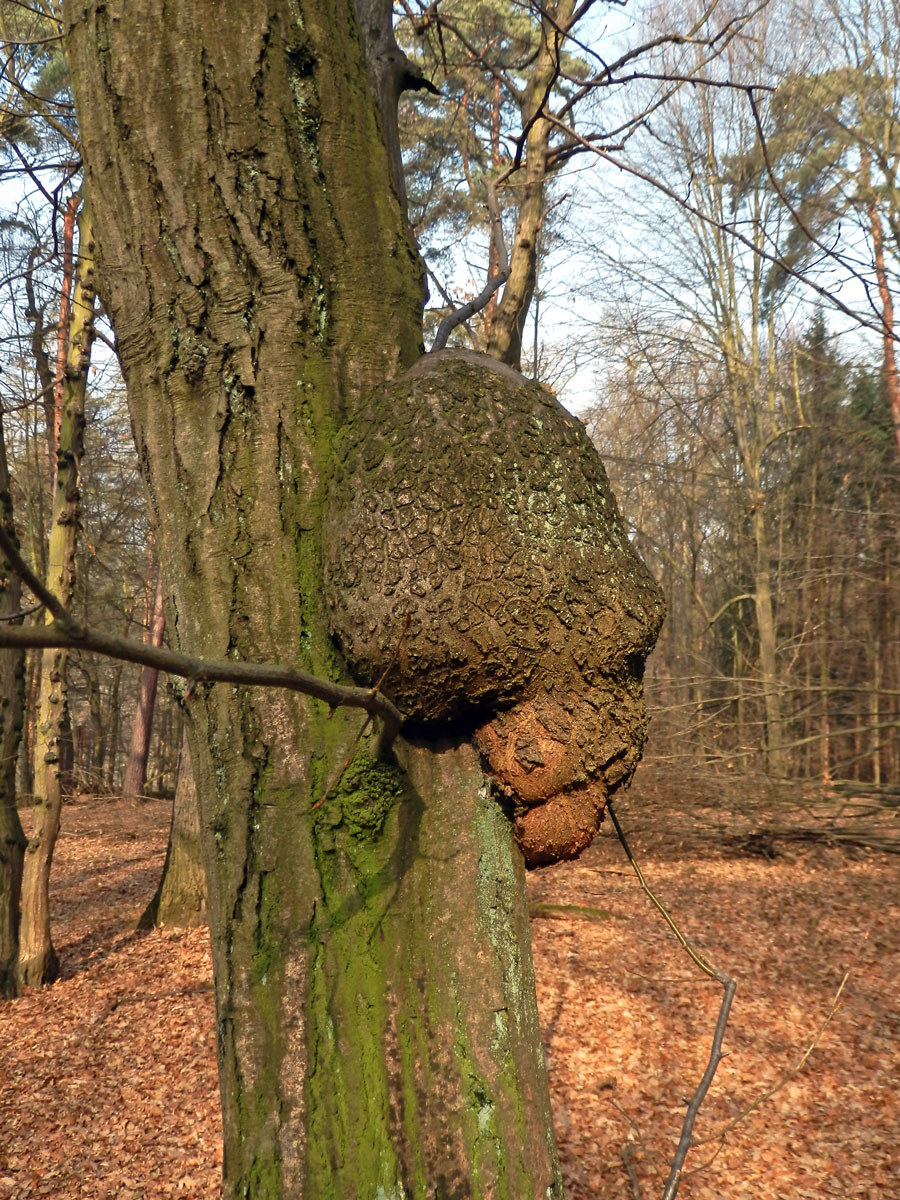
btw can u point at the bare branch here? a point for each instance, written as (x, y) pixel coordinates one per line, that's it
(730, 229)
(716, 1055)
(785, 1079)
(25, 573)
(64, 630)
(459, 315)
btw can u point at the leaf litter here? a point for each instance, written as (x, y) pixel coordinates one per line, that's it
(108, 1086)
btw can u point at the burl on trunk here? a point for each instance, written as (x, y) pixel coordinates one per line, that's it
(475, 556)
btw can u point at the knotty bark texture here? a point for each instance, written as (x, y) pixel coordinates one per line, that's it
(475, 552)
(377, 1021)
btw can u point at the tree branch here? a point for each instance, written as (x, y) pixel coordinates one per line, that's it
(731, 230)
(64, 630)
(729, 985)
(462, 314)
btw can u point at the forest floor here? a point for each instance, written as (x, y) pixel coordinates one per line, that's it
(108, 1080)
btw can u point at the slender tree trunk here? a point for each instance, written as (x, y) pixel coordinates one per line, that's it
(37, 961)
(508, 321)
(32, 691)
(377, 1023)
(180, 899)
(891, 376)
(493, 253)
(768, 647)
(136, 766)
(97, 734)
(112, 727)
(738, 672)
(12, 695)
(62, 333)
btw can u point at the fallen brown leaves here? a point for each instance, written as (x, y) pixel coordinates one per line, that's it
(628, 1021)
(107, 1079)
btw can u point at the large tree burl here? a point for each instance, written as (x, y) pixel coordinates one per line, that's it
(474, 547)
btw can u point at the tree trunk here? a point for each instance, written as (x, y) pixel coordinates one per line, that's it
(376, 1012)
(136, 767)
(62, 334)
(112, 727)
(37, 962)
(96, 731)
(768, 646)
(12, 698)
(889, 358)
(508, 321)
(180, 899)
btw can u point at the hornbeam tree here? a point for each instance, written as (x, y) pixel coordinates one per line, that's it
(325, 496)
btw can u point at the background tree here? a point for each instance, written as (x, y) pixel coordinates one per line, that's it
(180, 899)
(732, 421)
(37, 962)
(139, 749)
(723, 291)
(12, 692)
(522, 91)
(39, 160)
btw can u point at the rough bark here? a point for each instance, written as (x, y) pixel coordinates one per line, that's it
(265, 281)
(37, 961)
(180, 899)
(12, 698)
(376, 1011)
(139, 749)
(475, 557)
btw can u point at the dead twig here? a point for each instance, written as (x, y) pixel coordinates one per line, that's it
(628, 1162)
(785, 1079)
(64, 630)
(729, 986)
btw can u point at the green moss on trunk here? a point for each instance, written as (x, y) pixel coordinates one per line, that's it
(426, 1046)
(372, 1036)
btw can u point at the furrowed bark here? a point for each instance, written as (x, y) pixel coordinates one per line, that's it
(261, 277)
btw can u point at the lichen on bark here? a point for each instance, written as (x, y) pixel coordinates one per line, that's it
(475, 552)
